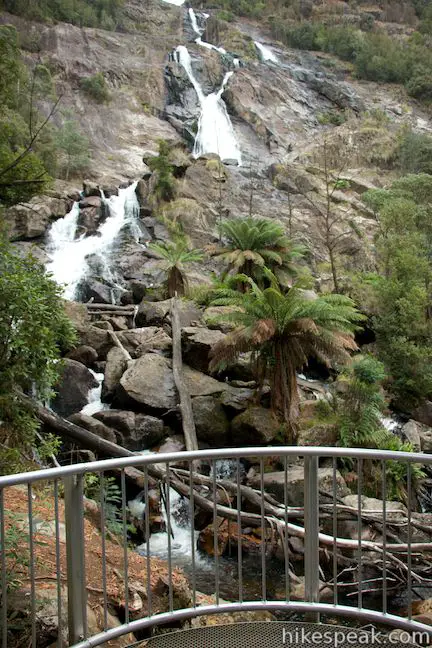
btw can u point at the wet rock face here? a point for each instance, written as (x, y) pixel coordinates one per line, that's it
(148, 383)
(72, 390)
(133, 431)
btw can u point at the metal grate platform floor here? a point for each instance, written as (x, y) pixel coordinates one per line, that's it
(277, 634)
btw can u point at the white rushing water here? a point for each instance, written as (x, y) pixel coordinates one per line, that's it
(94, 397)
(266, 53)
(215, 130)
(178, 3)
(199, 32)
(68, 255)
(182, 536)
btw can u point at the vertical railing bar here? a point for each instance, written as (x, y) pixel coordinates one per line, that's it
(239, 532)
(359, 532)
(286, 552)
(58, 565)
(215, 532)
(75, 558)
(263, 536)
(192, 523)
(168, 513)
(32, 564)
(102, 498)
(384, 534)
(335, 526)
(125, 544)
(147, 536)
(409, 563)
(3, 571)
(311, 523)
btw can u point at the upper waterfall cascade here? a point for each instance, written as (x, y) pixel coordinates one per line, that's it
(215, 130)
(68, 255)
(266, 53)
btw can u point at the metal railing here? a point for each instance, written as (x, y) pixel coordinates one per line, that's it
(280, 517)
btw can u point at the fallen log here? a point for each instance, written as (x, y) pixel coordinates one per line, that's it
(110, 307)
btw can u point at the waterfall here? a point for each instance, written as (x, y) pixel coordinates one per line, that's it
(68, 255)
(266, 53)
(215, 130)
(94, 397)
(198, 32)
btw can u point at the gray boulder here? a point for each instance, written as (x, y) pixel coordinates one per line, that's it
(157, 313)
(274, 483)
(115, 367)
(134, 431)
(419, 435)
(93, 289)
(423, 413)
(197, 343)
(255, 426)
(96, 338)
(142, 340)
(318, 435)
(211, 422)
(73, 388)
(84, 354)
(148, 382)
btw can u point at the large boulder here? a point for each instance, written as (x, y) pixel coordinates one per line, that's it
(92, 289)
(211, 422)
(84, 354)
(115, 367)
(133, 431)
(423, 413)
(73, 388)
(148, 383)
(142, 340)
(93, 425)
(197, 343)
(318, 435)
(274, 483)
(157, 313)
(199, 384)
(419, 435)
(255, 426)
(97, 338)
(31, 220)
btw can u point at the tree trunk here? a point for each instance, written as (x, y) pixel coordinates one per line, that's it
(188, 422)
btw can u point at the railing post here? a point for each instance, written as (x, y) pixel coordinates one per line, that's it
(75, 558)
(311, 523)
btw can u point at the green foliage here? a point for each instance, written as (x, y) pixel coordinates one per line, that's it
(34, 330)
(15, 543)
(415, 153)
(223, 14)
(22, 169)
(96, 87)
(73, 149)
(360, 413)
(376, 55)
(106, 492)
(401, 294)
(283, 331)
(252, 245)
(332, 117)
(165, 188)
(84, 13)
(175, 257)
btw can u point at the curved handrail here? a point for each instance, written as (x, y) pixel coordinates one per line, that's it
(344, 611)
(72, 477)
(151, 458)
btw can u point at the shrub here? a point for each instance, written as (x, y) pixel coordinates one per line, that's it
(415, 153)
(96, 87)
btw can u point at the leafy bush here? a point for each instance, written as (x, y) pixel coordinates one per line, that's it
(84, 13)
(223, 14)
(415, 153)
(96, 87)
(331, 117)
(165, 188)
